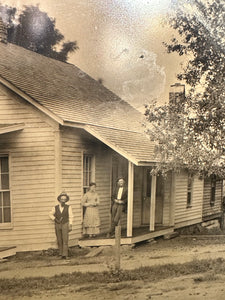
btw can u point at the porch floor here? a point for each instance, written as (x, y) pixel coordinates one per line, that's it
(7, 251)
(139, 234)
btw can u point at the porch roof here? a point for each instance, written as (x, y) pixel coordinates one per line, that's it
(134, 146)
(6, 128)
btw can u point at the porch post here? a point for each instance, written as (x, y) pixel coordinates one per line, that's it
(152, 204)
(172, 200)
(130, 198)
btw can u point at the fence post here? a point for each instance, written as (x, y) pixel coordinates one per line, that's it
(117, 246)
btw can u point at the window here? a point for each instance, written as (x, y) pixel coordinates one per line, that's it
(5, 205)
(88, 171)
(213, 190)
(189, 190)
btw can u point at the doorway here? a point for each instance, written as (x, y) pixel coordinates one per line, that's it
(146, 197)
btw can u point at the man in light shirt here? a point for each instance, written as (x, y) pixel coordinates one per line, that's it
(62, 215)
(119, 202)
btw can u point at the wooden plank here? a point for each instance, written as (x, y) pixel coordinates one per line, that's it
(152, 204)
(94, 252)
(125, 241)
(151, 235)
(188, 222)
(130, 199)
(7, 251)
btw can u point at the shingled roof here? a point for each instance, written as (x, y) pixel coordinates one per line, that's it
(70, 94)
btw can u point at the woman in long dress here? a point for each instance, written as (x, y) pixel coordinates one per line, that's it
(91, 222)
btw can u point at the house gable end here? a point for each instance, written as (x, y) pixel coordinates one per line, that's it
(17, 103)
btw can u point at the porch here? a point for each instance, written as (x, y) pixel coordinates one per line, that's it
(140, 234)
(149, 211)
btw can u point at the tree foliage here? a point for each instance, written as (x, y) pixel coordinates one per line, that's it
(36, 31)
(192, 132)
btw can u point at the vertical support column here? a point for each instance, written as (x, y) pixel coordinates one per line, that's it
(130, 199)
(172, 201)
(152, 204)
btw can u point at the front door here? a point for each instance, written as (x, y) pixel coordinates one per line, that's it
(159, 200)
(146, 198)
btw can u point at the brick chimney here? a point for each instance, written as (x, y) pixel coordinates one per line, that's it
(177, 93)
(3, 32)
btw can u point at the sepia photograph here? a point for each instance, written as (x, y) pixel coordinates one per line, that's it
(112, 149)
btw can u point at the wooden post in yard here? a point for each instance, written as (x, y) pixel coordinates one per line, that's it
(117, 246)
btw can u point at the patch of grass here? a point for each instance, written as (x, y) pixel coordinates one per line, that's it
(50, 253)
(207, 277)
(86, 288)
(158, 257)
(152, 274)
(4, 269)
(120, 286)
(179, 288)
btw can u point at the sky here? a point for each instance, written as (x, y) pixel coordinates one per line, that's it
(120, 41)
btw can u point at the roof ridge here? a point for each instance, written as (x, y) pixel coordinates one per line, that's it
(79, 70)
(65, 90)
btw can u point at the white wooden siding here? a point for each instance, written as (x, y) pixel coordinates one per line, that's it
(184, 215)
(138, 186)
(75, 142)
(167, 199)
(32, 174)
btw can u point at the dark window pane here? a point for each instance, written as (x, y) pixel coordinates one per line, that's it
(213, 194)
(86, 170)
(7, 215)
(4, 165)
(1, 204)
(6, 198)
(189, 198)
(149, 183)
(89, 164)
(1, 216)
(5, 181)
(89, 178)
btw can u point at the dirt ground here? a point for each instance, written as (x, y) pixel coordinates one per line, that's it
(159, 252)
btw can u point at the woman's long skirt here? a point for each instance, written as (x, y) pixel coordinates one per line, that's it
(91, 223)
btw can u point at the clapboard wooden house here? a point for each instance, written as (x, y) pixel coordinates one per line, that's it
(61, 129)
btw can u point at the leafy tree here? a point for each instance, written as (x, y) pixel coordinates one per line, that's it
(192, 132)
(35, 30)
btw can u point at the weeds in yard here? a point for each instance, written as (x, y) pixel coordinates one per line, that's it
(179, 288)
(207, 277)
(86, 288)
(120, 286)
(152, 274)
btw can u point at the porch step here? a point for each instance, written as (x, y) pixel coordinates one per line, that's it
(7, 251)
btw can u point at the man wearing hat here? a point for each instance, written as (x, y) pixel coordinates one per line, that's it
(119, 203)
(63, 216)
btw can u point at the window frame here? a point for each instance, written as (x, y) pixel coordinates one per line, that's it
(7, 225)
(190, 182)
(213, 181)
(92, 170)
